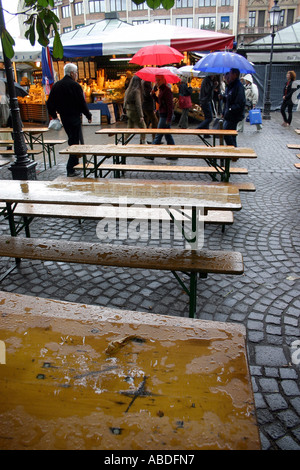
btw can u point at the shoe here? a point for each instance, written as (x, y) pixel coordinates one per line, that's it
(149, 143)
(71, 174)
(171, 158)
(149, 157)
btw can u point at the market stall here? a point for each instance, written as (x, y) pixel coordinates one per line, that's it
(103, 58)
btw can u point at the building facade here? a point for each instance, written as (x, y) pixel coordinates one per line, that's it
(247, 20)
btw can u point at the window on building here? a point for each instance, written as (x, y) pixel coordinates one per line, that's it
(290, 17)
(207, 3)
(261, 19)
(224, 22)
(96, 6)
(78, 8)
(117, 5)
(65, 11)
(67, 29)
(184, 22)
(77, 26)
(163, 21)
(252, 18)
(207, 23)
(141, 6)
(184, 4)
(225, 3)
(136, 22)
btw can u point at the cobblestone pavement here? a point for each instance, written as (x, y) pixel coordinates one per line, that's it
(266, 299)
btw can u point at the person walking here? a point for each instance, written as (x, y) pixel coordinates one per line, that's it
(205, 100)
(133, 105)
(251, 95)
(67, 99)
(234, 109)
(185, 103)
(165, 110)
(287, 102)
(150, 117)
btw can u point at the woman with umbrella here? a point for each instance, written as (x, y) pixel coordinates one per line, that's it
(234, 110)
(133, 105)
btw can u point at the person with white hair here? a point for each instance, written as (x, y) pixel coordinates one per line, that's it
(67, 99)
(251, 93)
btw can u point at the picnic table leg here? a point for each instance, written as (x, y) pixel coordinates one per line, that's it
(193, 295)
(227, 170)
(84, 165)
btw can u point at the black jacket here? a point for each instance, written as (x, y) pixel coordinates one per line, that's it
(235, 102)
(206, 90)
(67, 99)
(288, 91)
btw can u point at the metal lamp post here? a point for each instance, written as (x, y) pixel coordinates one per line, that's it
(274, 22)
(23, 168)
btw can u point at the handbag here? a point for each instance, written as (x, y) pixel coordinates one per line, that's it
(55, 125)
(255, 116)
(185, 102)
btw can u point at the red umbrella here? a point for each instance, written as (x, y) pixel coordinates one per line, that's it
(149, 73)
(158, 54)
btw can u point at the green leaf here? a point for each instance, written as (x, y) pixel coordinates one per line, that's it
(58, 50)
(168, 4)
(153, 4)
(42, 35)
(43, 3)
(7, 43)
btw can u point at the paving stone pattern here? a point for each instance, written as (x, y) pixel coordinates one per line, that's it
(266, 299)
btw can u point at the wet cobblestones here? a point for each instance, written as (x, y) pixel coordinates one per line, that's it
(266, 299)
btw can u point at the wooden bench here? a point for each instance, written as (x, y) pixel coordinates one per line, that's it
(32, 152)
(59, 354)
(4, 162)
(298, 155)
(242, 186)
(191, 262)
(297, 165)
(6, 142)
(159, 168)
(30, 211)
(293, 146)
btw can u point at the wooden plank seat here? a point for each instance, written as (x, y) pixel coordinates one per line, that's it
(298, 155)
(58, 354)
(29, 151)
(191, 262)
(297, 165)
(293, 146)
(6, 142)
(242, 186)
(160, 168)
(100, 212)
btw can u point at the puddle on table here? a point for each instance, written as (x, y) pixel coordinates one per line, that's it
(78, 385)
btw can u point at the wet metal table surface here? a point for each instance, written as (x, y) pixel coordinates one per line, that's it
(85, 377)
(118, 192)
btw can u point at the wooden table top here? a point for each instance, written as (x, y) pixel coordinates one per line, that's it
(85, 377)
(29, 130)
(180, 151)
(119, 130)
(118, 192)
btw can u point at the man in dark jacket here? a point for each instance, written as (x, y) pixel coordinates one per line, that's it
(67, 99)
(235, 101)
(205, 100)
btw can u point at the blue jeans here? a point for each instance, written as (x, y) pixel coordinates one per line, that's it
(162, 124)
(230, 139)
(208, 116)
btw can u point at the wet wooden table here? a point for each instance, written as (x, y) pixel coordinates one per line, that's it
(125, 135)
(85, 377)
(121, 193)
(99, 153)
(33, 135)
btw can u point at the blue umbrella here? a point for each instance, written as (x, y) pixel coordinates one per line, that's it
(222, 62)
